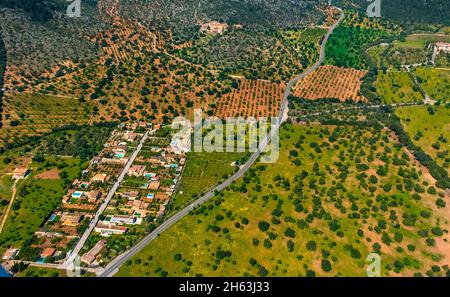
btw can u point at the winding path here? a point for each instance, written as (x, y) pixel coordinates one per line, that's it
(11, 203)
(113, 267)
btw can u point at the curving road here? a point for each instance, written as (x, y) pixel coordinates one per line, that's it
(113, 267)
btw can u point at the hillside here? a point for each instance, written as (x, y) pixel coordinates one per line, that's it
(182, 18)
(39, 40)
(124, 64)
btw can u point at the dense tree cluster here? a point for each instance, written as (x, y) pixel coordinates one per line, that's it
(2, 74)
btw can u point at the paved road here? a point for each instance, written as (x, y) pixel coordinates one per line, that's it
(104, 205)
(113, 266)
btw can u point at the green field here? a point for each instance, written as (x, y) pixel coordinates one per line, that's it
(353, 35)
(334, 196)
(6, 184)
(202, 171)
(421, 40)
(426, 129)
(41, 272)
(36, 199)
(397, 87)
(435, 81)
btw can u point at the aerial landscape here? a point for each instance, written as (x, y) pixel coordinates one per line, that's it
(224, 138)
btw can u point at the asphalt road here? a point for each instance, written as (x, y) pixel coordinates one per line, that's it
(113, 267)
(104, 205)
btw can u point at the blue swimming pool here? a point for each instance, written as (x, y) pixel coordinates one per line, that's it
(77, 194)
(3, 272)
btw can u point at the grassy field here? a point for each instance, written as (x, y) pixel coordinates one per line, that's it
(334, 196)
(421, 40)
(435, 81)
(203, 170)
(36, 199)
(6, 185)
(430, 131)
(397, 87)
(41, 272)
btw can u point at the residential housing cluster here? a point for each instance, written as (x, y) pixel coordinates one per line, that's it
(135, 204)
(70, 219)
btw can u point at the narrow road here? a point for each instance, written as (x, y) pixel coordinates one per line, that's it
(113, 267)
(11, 203)
(104, 205)
(48, 265)
(426, 98)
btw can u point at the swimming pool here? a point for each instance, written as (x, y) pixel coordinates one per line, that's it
(3, 272)
(77, 194)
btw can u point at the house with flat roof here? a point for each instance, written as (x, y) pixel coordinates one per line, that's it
(10, 254)
(108, 230)
(130, 195)
(161, 211)
(130, 136)
(20, 173)
(47, 253)
(96, 160)
(93, 196)
(71, 220)
(91, 255)
(162, 197)
(99, 178)
(443, 47)
(136, 170)
(154, 185)
(214, 28)
(119, 219)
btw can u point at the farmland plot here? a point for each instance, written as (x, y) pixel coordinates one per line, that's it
(396, 86)
(251, 99)
(435, 81)
(30, 114)
(331, 82)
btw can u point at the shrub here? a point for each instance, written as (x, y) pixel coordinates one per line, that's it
(263, 226)
(289, 233)
(311, 245)
(326, 265)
